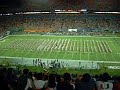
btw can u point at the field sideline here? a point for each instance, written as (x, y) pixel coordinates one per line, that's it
(61, 47)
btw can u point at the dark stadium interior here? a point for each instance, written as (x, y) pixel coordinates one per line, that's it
(36, 5)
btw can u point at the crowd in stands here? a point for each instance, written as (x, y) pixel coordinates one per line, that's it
(61, 23)
(2, 27)
(15, 79)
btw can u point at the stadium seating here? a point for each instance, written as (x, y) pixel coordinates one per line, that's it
(15, 79)
(61, 23)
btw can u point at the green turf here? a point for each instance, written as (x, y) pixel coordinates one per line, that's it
(63, 70)
(62, 47)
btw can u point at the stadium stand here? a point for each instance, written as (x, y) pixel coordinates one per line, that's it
(15, 79)
(85, 24)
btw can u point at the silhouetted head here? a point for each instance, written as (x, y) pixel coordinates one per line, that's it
(39, 76)
(52, 81)
(10, 71)
(25, 71)
(1, 74)
(86, 78)
(67, 77)
(105, 77)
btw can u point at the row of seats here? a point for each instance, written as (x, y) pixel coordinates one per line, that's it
(15, 79)
(62, 23)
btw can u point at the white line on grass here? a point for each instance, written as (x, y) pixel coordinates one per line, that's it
(114, 49)
(96, 51)
(80, 48)
(88, 50)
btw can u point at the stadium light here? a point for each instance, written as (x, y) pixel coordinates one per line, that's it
(70, 10)
(45, 12)
(19, 13)
(31, 12)
(83, 10)
(35, 12)
(7, 14)
(58, 10)
(108, 12)
(67, 12)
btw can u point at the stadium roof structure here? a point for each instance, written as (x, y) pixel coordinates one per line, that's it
(7, 6)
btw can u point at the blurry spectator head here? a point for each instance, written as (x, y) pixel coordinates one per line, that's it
(86, 78)
(78, 77)
(67, 77)
(58, 78)
(96, 76)
(39, 76)
(119, 79)
(25, 71)
(52, 81)
(45, 77)
(0, 66)
(1, 74)
(30, 74)
(4, 70)
(105, 77)
(10, 71)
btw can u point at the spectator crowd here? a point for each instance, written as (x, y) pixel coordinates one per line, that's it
(61, 23)
(15, 79)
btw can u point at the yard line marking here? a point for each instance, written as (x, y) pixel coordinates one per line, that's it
(88, 49)
(95, 47)
(80, 48)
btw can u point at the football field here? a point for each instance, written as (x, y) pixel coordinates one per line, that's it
(61, 47)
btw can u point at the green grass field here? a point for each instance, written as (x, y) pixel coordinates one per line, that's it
(61, 71)
(61, 47)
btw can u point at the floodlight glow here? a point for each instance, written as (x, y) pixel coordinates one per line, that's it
(67, 12)
(31, 12)
(109, 12)
(83, 10)
(35, 12)
(45, 12)
(17, 13)
(7, 14)
(57, 10)
(70, 10)
(64, 10)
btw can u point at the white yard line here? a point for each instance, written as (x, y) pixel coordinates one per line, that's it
(97, 42)
(80, 49)
(58, 43)
(84, 46)
(88, 50)
(94, 45)
(102, 50)
(114, 48)
(52, 42)
(109, 49)
(73, 49)
(43, 44)
(63, 49)
(72, 46)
